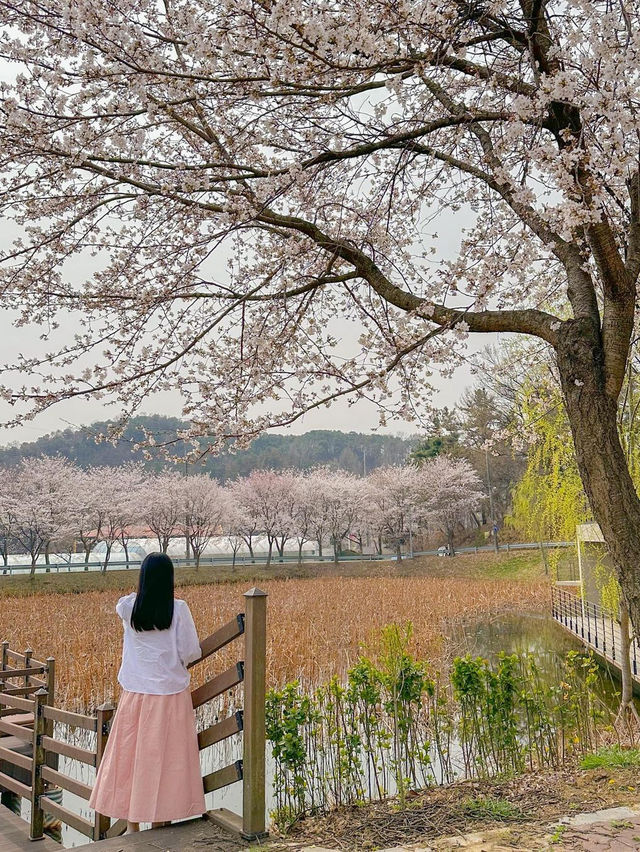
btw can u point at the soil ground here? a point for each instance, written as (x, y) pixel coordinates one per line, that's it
(521, 813)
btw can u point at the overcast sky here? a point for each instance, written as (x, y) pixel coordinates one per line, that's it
(362, 417)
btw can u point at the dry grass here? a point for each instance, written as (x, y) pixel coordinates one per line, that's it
(316, 626)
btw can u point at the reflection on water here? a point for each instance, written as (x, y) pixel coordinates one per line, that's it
(535, 634)
(538, 635)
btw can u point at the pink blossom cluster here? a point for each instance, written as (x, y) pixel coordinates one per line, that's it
(49, 502)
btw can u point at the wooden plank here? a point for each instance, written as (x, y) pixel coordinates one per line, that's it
(117, 829)
(21, 658)
(17, 717)
(7, 689)
(74, 752)
(227, 680)
(17, 759)
(9, 673)
(69, 817)
(220, 731)
(16, 731)
(221, 637)
(226, 819)
(223, 777)
(70, 784)
(14, 835)
(17, 787)
(18, 703)
(75, 720)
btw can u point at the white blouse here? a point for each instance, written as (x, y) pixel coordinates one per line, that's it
(155, 661)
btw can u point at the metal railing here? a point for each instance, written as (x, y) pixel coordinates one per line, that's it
(593, 624)
(243, 560)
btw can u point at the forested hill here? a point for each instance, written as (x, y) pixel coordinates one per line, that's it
(349, 451)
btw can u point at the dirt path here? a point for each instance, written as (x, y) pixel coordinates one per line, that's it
(568, 809)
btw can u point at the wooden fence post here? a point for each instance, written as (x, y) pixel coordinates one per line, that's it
(27, 663)
(254, 739)
(104, 715)
(5, 648)
(36, 830)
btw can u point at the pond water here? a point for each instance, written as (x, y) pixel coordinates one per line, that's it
(539, 635)
(535, 634)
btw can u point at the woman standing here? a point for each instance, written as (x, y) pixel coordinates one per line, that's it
(150, 771)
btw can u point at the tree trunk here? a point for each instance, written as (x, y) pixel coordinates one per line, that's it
(398, 551)
(627, 714)
(336, 550)
(452, 550)
(34, 558)
(87, 553)
(320, 547)
(300, 544)
(601, 461)
(270, 552)
(47, 560)
(107, 554)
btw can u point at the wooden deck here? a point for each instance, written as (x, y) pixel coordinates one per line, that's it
(14, 835)
(192, 836)
(595, 629)
(183, 837)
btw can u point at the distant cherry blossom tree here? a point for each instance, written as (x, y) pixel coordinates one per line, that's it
(393, 500)
(263, 498)
(90, 512)
(161, 505)
(343, 503)
(42, 503)
(450, 490)
(204, 506)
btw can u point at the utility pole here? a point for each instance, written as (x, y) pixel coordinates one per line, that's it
(186, 517)
(494, 525)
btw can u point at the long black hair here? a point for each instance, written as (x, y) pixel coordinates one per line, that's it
(153, 607)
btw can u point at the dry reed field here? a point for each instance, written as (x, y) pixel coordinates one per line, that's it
(316, 626)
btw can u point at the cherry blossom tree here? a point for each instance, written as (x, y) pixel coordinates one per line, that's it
(343, 502)
(306, 512)
(117, 505)
(393, 497)
(41, 504)
(90, 511)
(316, 145)
(204, 505)
(264, 499)
(449, 490)
(161, 505)
(316, 498)
(242, 522)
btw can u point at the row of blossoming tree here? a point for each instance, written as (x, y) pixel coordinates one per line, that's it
(48, 502)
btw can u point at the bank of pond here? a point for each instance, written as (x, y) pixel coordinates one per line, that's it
(519, 697)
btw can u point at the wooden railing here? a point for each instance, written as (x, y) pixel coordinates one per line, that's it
(33, 715)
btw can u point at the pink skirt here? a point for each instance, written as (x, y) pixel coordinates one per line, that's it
(150, 770)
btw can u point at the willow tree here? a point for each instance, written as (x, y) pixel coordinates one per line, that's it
(549, 500)
(311, 146)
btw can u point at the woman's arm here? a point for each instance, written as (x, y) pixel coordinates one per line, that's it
(187, 636)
